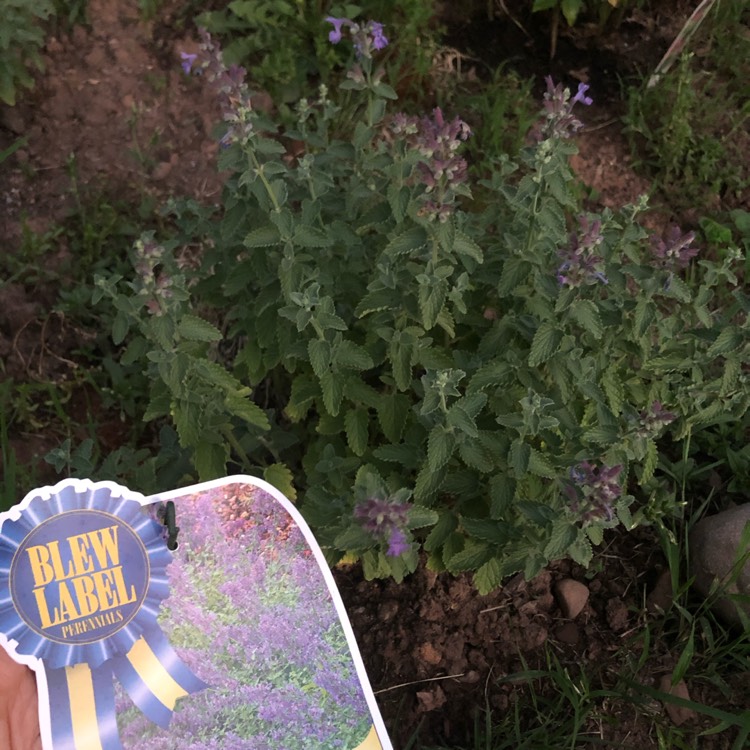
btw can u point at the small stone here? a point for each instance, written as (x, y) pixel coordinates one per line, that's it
(714, 554)
(429, 654)
(571, 596)
(430, 700)
(161, 171)
(128, 101)
(618, 616)
(569, 633)
(677, 714)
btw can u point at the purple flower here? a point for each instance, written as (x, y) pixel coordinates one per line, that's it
(593, 491)
(581, 264)
(581, 95)
(651, 422)
(379, 40)
(675, 250)
(397, 543)
(187, 61)
(334, 35)
(385, 521)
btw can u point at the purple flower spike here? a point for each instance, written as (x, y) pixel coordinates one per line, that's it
(581, 95)
(379, 40)
(187, 61)
(397, 544)
(334, 35)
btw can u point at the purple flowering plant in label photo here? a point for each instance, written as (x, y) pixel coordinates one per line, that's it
(250, 612)
(430, 359)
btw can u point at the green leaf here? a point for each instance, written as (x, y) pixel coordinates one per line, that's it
(519, 456)
(486, 530)
(400, 352)
(443, 528)
(356, 421)
(332, 386)
(586, 314)
(645, 311)
(354, 538)
(465, 246)
(580, 551)
(210, 461)
(193, 328)
(398, 198)
(281, 477)
(419, 517)
(459, 418)
(538, 513)
(381, 299)
(476, 455)
(679, 289)
(546, 342)
(729, 340)
(540, 465)
(470, 558)
(502, 494)
(488, 577)
(352, 356)
(432, 295)
(319, 352)
(392, 412)
(262, 237)
(570, 9)
(428, 483)
(120, 328)
(650, 462)
(305, 236)
(245, 409)
(412, 239)
(440, 446)
(595, 534)
(562, 536)
(612, 386)
(515, 272)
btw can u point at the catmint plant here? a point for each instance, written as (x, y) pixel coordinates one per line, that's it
(420, 369)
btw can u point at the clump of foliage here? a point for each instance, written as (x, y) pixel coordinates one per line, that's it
(21, 38)
(487, 381)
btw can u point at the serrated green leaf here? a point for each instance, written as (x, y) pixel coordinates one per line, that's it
(305, 236)
(193, 328)
(440, 446)
(470, 558)
(392, 413)
(488, 576)
(398, 199)
(465, 246)
(262, 237)
(601, 435)
(676, 287)
(352, 356)
(355, 422)
(537, 513)
(381, 299)
(304, 392)
(400, 352)
(210, 460)
(514, 274)
(650, 461)
(354, 538)
(563, 534)
(595, 534)
(432, 296)
(580, 551)
(406, 455)
(732, 369)
(418, 517)
(428, 483)
(245, 409)
(319, 352)
(414, 238)
(281, 477)
(486, 529)
(613, 388)
(332, 386)
(546, 342)
(729, 340)
(645, 311)
(443, 528)
(586, 314)
(540, 465)
(519, 456)
(502, 494)
(476, 455)
(459, 418)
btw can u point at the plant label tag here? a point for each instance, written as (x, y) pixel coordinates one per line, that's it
(237, 640)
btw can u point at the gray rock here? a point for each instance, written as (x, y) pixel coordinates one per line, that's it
(571, 597)
(714, 554)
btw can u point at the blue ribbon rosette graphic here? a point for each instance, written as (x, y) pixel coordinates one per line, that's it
(83, 572)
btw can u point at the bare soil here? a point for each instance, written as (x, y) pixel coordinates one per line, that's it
(438, 654)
